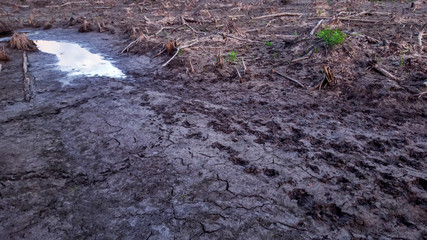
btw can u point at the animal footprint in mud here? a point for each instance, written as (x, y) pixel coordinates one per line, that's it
(270, 172)
(252, 170)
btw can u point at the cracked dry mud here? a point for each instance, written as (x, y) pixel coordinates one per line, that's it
(155, 157)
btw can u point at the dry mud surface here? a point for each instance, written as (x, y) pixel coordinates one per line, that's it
(171, 153)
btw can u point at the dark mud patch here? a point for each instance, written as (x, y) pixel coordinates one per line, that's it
(171, 153)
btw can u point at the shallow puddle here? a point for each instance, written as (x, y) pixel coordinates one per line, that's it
(75, 60)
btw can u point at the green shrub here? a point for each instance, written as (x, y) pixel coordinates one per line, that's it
(331, 37)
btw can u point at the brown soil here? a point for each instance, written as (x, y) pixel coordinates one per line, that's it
(209, 149)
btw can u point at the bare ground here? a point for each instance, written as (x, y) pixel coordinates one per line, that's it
(172, 153)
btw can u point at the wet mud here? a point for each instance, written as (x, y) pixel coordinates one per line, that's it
(168, 154)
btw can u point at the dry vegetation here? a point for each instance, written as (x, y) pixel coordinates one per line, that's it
(20, 41)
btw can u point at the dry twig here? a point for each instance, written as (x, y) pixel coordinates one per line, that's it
(373, 65)
(133, 43)
(28, 85)
(420, 36)
(307, 56)
(178, 50)
(279, 15)
(316, 27)
(289, 78)
(238, 73)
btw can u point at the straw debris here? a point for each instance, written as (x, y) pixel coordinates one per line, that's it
(20, 41)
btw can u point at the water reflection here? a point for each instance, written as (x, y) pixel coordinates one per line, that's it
(75, 60)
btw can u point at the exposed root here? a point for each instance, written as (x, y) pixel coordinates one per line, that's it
(3, 56)
(86, 27)
(141, 38)
(20, 41)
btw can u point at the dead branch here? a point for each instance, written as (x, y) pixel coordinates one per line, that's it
(279, 15)
(133, 43)
(163, 28)
(420, 36)
(421, 94)
(178, 50)
(69, 3)
(289, 78)
(101, 29)
(161, 51)
(192, 68)
(27, 79)
(316, 27)
(381, 70)
(238, 73)
(359, 20)
(307, 56)
(240, 39)
(245, 69)
(188, 25)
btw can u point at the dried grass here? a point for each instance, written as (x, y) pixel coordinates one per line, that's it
(3, 56)
(20, 41)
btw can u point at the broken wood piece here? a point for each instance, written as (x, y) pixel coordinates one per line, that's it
(245, 69)
(86, 27)
(161, 29)
(28, 84)
(192, 29)
(133, 43)
(316, 27)
(240, 39)
(192, 68)
(279, 15)
(238, 73)
(307, 56)
(101, 29)
(359, 20)
(289, 78)
(383, 72)
(420, 36)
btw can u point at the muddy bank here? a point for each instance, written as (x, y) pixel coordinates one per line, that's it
(166, 153)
